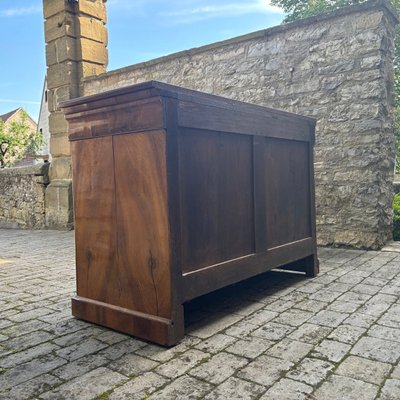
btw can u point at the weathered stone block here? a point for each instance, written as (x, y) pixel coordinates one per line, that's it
(51, 54)
(59, 204)
(59, 145)
(93, 29)
(228, 54)
(61, 74)
(60, 168)
(93, 8)
(366, 370)
(52, 7)
(381, 350)
(341, 387)
(91, 51)
(63, 93)
(59, 25)
(287, 388)
(57, 124)
(60, 50)
(368, 21)
(370, 62)
(86, 69)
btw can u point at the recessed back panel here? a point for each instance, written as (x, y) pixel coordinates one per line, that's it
(216, 187)
(287, 191)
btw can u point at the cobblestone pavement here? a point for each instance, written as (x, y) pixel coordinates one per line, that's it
(277, 336)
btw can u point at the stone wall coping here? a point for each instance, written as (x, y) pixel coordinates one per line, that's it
(382, 5)
(396, 184)
(36, 169)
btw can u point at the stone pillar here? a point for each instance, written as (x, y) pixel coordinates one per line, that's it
(76, 47)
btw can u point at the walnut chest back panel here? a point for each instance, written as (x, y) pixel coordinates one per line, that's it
(178, 193)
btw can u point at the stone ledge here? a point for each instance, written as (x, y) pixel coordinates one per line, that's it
(393, 246)
(383, 5)
(37, 169)
(9, 225)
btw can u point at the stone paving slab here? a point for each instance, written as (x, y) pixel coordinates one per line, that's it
(276, 336)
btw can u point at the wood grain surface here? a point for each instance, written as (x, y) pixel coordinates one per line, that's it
(216, 188)
(142, 221)
(95, 219)
(288, 208)
(144, 115)
(121, 221)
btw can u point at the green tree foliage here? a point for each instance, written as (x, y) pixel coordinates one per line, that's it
(396, 217)
(16, 140)
(296, 9)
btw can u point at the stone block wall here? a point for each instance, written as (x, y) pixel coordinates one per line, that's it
(76, 46)
(22, 196)
(337, 68)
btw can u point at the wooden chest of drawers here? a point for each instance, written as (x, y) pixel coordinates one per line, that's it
(178, 193)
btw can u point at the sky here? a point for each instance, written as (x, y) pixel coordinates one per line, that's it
(139, 30)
